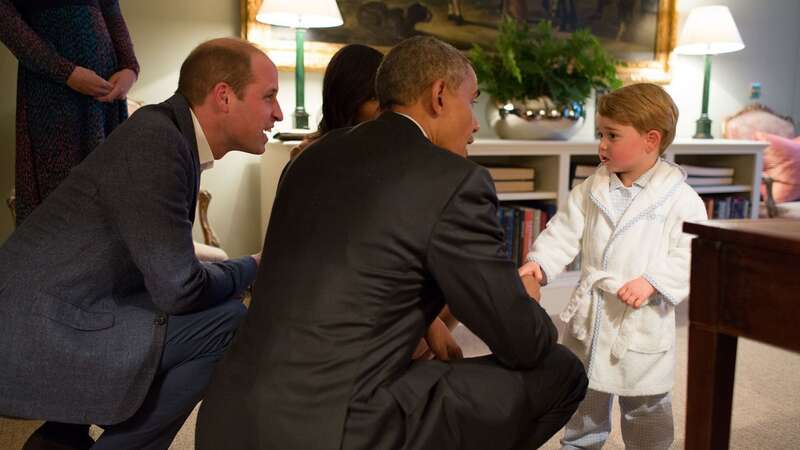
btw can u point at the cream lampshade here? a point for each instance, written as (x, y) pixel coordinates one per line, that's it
(300, 15)
(709, 30)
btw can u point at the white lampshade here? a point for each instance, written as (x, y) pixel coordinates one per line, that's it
(709, 30)
(300, 13)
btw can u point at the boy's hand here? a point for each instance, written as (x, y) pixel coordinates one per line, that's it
(531, 268)
(635, 292)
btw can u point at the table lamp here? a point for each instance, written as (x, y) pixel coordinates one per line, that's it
(300, 15)
(709, 30)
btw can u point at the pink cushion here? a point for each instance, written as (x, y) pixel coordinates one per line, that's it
(782, 164)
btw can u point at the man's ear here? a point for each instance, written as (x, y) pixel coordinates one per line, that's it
(221, 95)
(437, 96)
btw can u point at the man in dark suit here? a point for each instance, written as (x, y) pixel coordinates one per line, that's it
(373, 230)
(108, 317)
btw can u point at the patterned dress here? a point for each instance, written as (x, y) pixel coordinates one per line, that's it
(57, 126)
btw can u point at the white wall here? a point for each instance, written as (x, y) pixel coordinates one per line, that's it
(164, 32)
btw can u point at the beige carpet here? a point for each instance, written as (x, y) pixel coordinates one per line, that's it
(766, 400)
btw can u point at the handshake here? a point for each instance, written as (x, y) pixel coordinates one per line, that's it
(633, 293)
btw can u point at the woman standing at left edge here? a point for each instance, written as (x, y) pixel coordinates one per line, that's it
(76, 65)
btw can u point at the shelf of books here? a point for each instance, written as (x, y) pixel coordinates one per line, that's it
(533, 180)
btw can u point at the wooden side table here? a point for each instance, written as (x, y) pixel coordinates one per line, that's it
(745, 282)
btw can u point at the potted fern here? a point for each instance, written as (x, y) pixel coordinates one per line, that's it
(539, 82)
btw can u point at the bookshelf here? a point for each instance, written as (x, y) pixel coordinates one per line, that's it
(551, 161)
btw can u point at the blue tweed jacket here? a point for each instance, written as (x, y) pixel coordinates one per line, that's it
(88, 281)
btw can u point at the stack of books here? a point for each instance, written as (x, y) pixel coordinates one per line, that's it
(581, 172)
(512, 179)
(708, 176)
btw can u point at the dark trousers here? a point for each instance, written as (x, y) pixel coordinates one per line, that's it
(478, 404)
(194, 344)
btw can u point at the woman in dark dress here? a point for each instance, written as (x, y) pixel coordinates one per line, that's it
(76, 65)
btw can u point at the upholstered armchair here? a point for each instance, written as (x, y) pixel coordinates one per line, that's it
(781, 179)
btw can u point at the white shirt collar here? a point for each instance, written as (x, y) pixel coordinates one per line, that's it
(641, 182)
(203, 149)
(415, 123)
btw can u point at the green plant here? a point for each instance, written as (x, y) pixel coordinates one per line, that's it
(532, 62)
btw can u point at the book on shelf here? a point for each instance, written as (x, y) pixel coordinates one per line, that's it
(521, 226)
(702, 171)
(709, 181)
(580, 172)
(727, 207)
(576, 181)
(500, 173)
(513, 186)
(584, 171)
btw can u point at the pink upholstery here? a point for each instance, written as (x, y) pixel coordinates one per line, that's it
(782, 164)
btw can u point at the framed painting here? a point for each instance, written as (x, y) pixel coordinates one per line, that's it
(641, 33)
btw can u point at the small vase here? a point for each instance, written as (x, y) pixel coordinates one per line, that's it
(538, 119)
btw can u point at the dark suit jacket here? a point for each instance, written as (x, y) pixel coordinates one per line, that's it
(373, 228)
(87, 281)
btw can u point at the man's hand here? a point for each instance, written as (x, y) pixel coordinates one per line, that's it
(531, 268)
(441, 342)
(635, 292)
(88, 83)
(422, 351)
(122, 82)
(532, 287)
(257, 257)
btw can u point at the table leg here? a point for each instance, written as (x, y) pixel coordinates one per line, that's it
(712, 366)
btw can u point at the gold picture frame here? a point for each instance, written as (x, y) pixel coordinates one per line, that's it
(279, 43)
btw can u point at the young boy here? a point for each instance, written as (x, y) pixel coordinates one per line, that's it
(626, 221)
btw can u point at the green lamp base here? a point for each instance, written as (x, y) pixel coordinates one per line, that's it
(703, 130)
(300, 118)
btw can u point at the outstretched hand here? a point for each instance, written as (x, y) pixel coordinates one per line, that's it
(635, 292)
(257, 257)
(532, 287)
(532, 268)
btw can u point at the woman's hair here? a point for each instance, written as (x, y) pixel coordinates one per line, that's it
(349, 82)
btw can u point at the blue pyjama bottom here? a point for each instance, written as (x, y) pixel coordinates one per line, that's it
(646, 422)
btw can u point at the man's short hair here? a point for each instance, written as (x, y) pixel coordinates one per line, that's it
(644, 106)
(413, 65)
(218, 60)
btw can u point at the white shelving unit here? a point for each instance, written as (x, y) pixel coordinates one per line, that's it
(551, 161)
